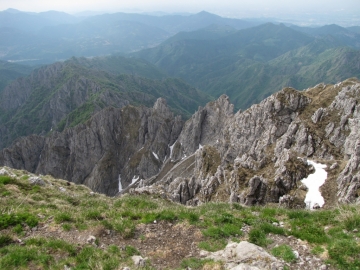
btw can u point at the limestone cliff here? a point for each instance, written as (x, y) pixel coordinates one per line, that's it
(259, 155)
(253, 157)
(106, 153)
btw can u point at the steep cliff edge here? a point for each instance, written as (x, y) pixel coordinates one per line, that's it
(253, 157)
(112, 149)
(66, 94)
(260, 155)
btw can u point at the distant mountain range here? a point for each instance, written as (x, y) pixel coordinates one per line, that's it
(209, 55)
(38, 38)
(66, 94)
(250, 64)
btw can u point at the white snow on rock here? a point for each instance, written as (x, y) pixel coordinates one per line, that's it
(171, 149)
(313, 182)
(155, 155)
(134, 179)
(120, 186)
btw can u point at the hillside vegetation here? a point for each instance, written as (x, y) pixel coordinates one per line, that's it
(10, 72)
(46, 37)
(250, 64)
(47, 223)
(69, 93)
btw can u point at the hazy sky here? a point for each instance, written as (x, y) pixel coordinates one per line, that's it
(222, 7)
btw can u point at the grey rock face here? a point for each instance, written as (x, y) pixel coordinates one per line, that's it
(125, 144)
(244, 255)
(36, 181)
(252, 157)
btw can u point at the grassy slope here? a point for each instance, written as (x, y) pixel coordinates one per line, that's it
(65, 215)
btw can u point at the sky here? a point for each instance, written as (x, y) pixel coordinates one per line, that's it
(260, 6)
(308, 11)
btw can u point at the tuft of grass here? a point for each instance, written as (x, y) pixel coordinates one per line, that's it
(213, 244)
(284, 252)
(93, 214)
(131, 251)
(5, 240)
(269, 228)
(138, 202)
(66, 227)
(167, 215)
(18, 229)
(57, 244)
(191, 217)
(148, 217)
(226, 230)
(317, 250)
(5, 180)
(195, 263)
(311, 232)
(63, 217)
(114, 249)
(258, 237)
(14, 257)
(125, 227)
(345, 254)
(7, 220)
(269, 214)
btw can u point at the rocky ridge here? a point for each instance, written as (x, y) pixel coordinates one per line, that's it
(109, 151)
(253, 157)
(258, 156)
(65, 94)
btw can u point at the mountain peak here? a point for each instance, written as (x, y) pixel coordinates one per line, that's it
(12, 10)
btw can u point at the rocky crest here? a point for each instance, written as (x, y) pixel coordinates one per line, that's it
(253, 157)
(110, 151)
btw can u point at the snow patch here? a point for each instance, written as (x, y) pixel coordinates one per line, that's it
(171, 149)
(313, 182)
(155, 155)
(120, 185)
(134, 179)
(200, 146)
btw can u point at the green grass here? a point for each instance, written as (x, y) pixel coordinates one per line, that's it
(213, 244)
(194, 263)
(258, 237)
(7, 220)
(13, 257)
(131, 251)
(317, 250)
(5, 240)
(63, 217)
(284, 252)
(4, 180)
(328, 232)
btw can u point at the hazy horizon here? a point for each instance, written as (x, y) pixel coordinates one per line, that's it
(316, 12)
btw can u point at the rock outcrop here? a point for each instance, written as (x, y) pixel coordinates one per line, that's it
(260, 155)
(253, 157)
(244, 255)
(107, 153)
